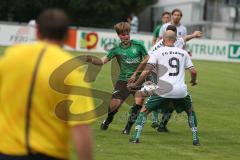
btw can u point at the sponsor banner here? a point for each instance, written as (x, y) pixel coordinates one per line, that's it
(203, 49)
(101, 42)
(71, 41)
(92, 41)
(14, 34)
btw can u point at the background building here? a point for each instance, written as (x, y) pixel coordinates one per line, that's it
(218, 19)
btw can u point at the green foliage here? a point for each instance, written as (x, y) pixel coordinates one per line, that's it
(23, 11)
(89, 13)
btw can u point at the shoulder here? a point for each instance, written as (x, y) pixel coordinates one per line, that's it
(21, 46)
(182, 51)
(57, 55)
(137, 43)
(22, 49)
(159, 49)
(180, 40)
(158, 27)
(114, 49)
(158, 45)
(164, 26)
(183, 27)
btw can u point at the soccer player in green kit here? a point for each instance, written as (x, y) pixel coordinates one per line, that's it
(166, 17)
(131, 56)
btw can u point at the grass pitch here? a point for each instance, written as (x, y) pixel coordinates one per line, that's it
(216, 102)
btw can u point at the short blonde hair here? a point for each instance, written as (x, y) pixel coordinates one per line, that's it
(122, 27)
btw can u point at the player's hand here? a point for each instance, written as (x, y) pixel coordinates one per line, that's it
(197, 34)
(189, 53)
(131, 86)
(89, 59)
(132, 79)
(193, 83)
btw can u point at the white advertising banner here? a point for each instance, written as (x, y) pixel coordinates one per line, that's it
(101, 42)
(13, 34)
(203, 49)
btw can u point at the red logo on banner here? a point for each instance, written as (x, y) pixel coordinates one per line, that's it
(72, 38)
(88, 40)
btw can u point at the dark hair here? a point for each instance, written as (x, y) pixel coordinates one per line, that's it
(53, 24)
(177, 10)
(172, 28)
(164, 13)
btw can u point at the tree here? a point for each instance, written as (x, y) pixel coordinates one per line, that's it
(105, 13)
(88, 13)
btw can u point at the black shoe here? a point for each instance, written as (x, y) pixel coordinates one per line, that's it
(196, 143)
(162, 129)
(125, 131)
(104, 125)
(128, 127)
(154, 125)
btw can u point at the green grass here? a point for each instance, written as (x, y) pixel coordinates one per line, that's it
(216, 101)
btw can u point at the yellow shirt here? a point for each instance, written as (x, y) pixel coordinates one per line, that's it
(28, 119)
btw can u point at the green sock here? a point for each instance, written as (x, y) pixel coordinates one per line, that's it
(192, 120)
(154, 117)
(141, 120)
(166, 117)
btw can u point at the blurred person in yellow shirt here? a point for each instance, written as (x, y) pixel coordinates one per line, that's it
(29, 126)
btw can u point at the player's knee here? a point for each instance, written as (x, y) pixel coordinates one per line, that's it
(139, 99)
(138, 94)
(144, 109)
(115, 104)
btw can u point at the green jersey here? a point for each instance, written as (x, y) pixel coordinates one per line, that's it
(156, 31)
(128, 58)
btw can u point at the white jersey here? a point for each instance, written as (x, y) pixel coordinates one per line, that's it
(181, 30)
(173, 61)
(134, 24)
(180, 43)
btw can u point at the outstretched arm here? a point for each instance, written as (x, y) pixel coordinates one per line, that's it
(97, 61)
(195, 34)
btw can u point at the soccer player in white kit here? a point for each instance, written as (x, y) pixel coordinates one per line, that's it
(176, 18)
(180, 43)
(171, 63)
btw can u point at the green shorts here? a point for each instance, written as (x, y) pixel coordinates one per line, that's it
(156, 102)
